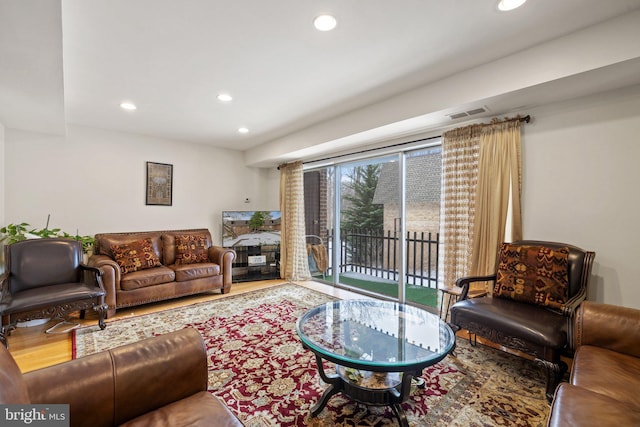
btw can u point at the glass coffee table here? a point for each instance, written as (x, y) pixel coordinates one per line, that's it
(378, 348)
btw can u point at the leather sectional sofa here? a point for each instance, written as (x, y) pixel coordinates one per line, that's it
(145, 267)
(158, 382)
(605, 376)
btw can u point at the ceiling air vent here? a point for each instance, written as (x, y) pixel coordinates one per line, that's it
(476, 111)
(458, 115)
(462, 114)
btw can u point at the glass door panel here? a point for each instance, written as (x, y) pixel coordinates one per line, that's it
(368, 206)
(358, 206)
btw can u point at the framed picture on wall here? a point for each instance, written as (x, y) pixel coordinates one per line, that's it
(159, 184)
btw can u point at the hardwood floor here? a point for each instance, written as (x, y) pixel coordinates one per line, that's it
(33, 349)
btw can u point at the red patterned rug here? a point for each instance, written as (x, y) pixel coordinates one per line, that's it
(259, 369)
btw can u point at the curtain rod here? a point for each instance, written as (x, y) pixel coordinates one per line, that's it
(368, 150)
(525, 119)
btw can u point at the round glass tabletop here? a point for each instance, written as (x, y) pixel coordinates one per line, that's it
(375, 335)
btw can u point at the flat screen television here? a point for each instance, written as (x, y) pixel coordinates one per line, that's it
(250, 228)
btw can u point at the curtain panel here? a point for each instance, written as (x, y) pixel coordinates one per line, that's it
(294, 262)
(460, 150)
(497, 195)
(481, 187)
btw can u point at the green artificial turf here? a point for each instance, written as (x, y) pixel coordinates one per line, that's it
(418, 294)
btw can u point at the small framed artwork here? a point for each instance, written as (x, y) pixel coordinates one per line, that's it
(159, 184)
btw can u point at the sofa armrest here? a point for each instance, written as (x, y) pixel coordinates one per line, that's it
(608, 326)
(85, 384)
(114, 386)
(224, 258)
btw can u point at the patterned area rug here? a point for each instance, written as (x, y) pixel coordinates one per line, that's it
(259, 369)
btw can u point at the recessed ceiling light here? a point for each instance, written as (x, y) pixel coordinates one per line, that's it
(243, 130)
(225, 97)
(506, 5)
(128, 106)
(325, 23)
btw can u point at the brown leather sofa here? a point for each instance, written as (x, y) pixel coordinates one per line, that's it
(605, 376)
(169, 279)
(160, 381)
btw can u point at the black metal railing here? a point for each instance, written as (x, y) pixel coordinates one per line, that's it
(376, 253)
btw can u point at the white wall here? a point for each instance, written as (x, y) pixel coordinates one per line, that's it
(2, 174)
(94, 181)
(580, 186)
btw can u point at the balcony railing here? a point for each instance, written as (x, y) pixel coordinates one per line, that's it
(377, 254)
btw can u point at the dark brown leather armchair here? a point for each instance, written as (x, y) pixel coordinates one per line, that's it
(45, 278)
(542, 332)
(159, 382)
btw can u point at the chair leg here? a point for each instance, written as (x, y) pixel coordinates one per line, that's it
(5, 331)
(555, 372)
(101, 309)
(3, 338)
(473, 338)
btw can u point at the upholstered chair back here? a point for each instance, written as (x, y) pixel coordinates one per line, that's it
(42, 262)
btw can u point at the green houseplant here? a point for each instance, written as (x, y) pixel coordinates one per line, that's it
(12, 233)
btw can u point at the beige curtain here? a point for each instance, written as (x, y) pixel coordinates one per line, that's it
(498, 194)
(481, 185)
(294, 264)
(460, 148)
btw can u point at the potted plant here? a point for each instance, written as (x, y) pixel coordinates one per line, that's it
(12, 233)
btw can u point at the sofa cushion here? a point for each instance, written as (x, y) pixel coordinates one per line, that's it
(134, 256)
(104, 241)
(149, 277)
(186, 272)
(191, 249)
(542, 326)
(576, 406)
(169, 242)
(533, 274)
(607, 372)
(201, 409)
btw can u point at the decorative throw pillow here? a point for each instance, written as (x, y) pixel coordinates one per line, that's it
(191, 249)
(134, 256)
(533, 274)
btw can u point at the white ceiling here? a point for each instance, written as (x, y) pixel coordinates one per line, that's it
(75, 61)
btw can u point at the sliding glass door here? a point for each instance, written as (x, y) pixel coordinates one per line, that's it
(368, 250)
(377, 221)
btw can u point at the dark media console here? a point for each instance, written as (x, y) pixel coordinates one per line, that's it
(256, 263)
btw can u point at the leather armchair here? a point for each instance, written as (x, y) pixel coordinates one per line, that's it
(45, 278)
(158, 382)
(605, 375)
(542, 332)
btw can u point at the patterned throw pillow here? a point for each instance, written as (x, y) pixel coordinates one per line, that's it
(191, 249)
(135, 256)
(533, 274)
